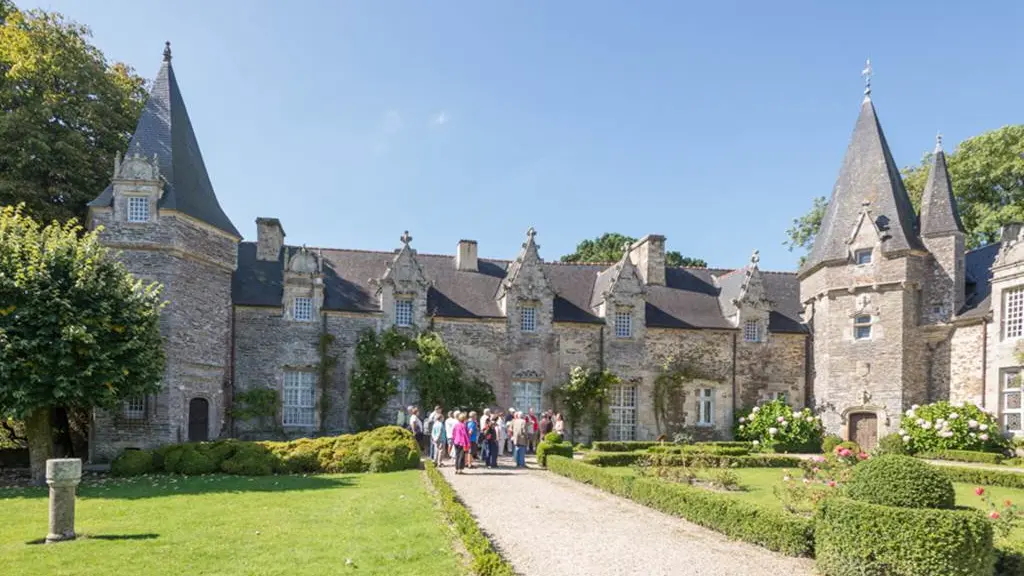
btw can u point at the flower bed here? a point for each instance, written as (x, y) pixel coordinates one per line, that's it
(385, 449)
(773, 529)
(963, 456)
(693, 459)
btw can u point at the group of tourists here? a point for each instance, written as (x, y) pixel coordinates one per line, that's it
(465, 438)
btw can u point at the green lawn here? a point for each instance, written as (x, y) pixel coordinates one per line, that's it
(227, 525)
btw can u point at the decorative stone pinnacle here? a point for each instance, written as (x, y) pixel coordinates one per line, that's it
(406, 238)
(530, 233)
(938, 142)
(866, 73)
(755, 258)
(167, 51)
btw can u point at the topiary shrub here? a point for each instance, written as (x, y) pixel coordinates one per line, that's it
(943, 426)
(894, 480)
(132, 463)
(891, 444)
(545, 449)
(855, 538)
(829, 443)
(553, 437)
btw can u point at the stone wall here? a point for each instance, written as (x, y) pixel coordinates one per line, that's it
(966, 368)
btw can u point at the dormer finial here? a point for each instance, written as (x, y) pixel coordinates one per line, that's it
(167, 51)
(866, 73)
(406, 238)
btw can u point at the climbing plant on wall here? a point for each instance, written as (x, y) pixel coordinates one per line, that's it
(679, 372)
(324, 369)
(441, 380)
(584, 395)
(372, 383)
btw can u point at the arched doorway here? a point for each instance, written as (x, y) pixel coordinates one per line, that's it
(198, 420)
(863, 429)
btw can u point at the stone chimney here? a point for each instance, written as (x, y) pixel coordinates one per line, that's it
(465, 258)
(648, 255)
(1011, 231)
(269, 239)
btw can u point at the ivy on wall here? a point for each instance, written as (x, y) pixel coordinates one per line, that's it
(325, 368)
(255, 403)
(441, 380)
(584, 396)
(372, 383)
(677, 374)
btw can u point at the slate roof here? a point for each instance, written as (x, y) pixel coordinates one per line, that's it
(164, 129)
(868, 174)
(689, 299)
(978, 271)
(939, 213)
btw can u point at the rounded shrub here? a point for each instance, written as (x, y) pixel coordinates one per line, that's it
(855, 538)
(193, 462)
(892, 444)
(251, 460)
(894, 480)
(945, 426)
(553, 437)
(132, 463)
(777, 427)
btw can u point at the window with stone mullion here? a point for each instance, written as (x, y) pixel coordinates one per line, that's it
(403, 312)
(624, 324)
(528, 318)
(752, 331)
(299, 399)
(1011, 402)
(138, 209)
(1013, 313)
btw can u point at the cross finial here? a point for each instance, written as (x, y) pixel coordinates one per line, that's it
(531, 233)
(406, 238)
(938, 142)
(167, 51)
(755, 258)
(866, 73)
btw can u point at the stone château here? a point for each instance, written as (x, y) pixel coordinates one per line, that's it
(888, 311)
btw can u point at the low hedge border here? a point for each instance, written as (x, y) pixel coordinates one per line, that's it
(486, 560)
(1009, 558)
(700, 449)
(982, 476)
(545, 449)
(963, 456)
(695, 459)
(854, 538)
(775, 530)
(607, 446)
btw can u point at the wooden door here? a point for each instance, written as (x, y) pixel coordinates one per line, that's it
(864, 430)
(198, 420)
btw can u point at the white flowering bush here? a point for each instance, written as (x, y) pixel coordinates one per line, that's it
(775, 426)
(945, 426)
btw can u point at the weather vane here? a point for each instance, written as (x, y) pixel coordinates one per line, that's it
(866, 73)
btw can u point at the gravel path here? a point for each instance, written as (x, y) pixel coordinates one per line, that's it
(546, 524)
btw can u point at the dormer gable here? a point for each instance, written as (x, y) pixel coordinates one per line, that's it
(303, 296)
(744, 300)
(136, 187)
(525, 295)
(619, 296)
(402, 288)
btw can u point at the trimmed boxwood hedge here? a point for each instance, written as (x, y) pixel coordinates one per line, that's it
(963, 456)
(894, 480)
(982, 476)
(545, 449)
(385, 449)
(761, 525)
(855, 538)
(624, 446)
(700, 449)
(1009, 558)
(486, 560)
(692, 459)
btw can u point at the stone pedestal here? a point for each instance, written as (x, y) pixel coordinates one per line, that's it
(63, 476)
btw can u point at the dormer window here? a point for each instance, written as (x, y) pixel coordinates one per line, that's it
(403, 312)
(624, 324)
(1013, 312)
(862, 257)
(528, 318)
(752, 331)
(862, 327)
(302, 308)
(138, 209)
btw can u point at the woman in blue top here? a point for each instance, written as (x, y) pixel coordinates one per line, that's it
(474, 436)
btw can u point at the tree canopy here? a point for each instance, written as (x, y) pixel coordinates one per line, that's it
(76, 329)
(608, 247)
(65, 109)
(988, 181)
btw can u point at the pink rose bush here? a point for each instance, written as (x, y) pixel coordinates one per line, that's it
(1004, 518)
(945, 426)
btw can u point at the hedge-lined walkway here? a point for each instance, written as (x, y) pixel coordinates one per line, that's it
(545, 524)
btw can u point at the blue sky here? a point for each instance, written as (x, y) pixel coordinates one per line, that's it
(714, 124)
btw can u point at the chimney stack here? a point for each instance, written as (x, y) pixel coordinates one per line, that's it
(1011, 231)
(648, 255)
(465, 257)
(269, 239)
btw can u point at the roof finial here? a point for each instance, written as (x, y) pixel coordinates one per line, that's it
(406, 238)
(866, 73)
(755, 258)
(938, 142)
(531, 233)
(167, 51)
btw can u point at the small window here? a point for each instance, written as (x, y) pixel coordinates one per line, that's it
(528, 319)
(135, 408)
(937, 309)
(862, 257)
(138, 209)
(780, 396)
(752, 331)
(624, 324)
(862, 327)
(403, 312)
(705, 407)
(299, 405)
(1011, 405)
(1013, 313)
(302, 308)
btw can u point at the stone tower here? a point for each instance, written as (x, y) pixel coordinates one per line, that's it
(943, 236)
(161, 216)
(861, 288)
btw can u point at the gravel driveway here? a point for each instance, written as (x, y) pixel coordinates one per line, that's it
(546, 524)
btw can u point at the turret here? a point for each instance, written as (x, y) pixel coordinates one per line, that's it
(943, 235)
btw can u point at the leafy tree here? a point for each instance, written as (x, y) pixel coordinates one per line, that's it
(584, 396)
(609, 247)
(64, 111)
(76, 330)
(988, 180)
(372, 382)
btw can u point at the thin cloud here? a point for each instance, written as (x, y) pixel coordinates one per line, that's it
(440, 119)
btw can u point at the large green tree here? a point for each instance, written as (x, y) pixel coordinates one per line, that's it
(988, 180)
(64, 111)
(608, 247)
(76, 329)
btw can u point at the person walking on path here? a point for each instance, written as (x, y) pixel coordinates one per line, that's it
(546, 424)
(560, 425)
(485, 421)
(532, 431)
(521, 438)
(473, 428)
(499, 429)
(460, 438)
(449, 427)
(438, 439)
(489, 436)
(428, 428)
(416, 427)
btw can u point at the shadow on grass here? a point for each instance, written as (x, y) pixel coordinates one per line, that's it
(160, 485)
(147, 536)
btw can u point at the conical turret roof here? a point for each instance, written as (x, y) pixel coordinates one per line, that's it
(939, 213)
